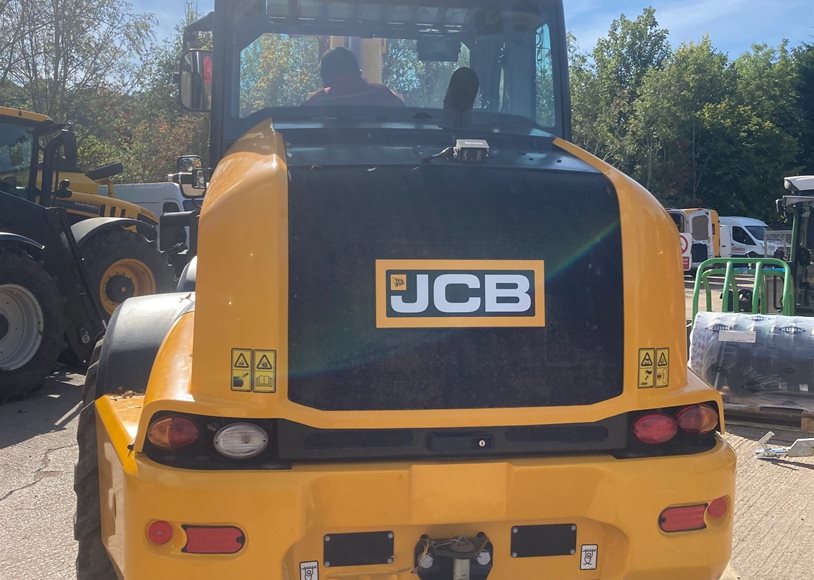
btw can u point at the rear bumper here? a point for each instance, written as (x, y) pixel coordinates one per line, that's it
(285, 515)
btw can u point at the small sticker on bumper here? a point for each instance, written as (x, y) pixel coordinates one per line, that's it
(590, 554)
(309, 570)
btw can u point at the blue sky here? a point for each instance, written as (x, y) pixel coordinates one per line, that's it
(733, 25)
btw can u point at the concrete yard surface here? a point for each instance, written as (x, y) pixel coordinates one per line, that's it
(774, 514)
(37, 455)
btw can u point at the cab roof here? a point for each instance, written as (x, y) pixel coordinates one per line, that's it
(741, 221)
(21, 114)
(800, 184)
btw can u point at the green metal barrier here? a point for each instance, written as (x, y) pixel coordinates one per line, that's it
(759, 268)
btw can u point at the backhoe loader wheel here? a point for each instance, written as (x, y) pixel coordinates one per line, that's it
(122, 264)
(92, 561)
(32, 324)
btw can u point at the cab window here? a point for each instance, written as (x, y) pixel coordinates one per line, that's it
(740, 236)
(700, 228)
(16, 144)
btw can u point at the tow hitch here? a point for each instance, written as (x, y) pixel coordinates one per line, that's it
(458, 558)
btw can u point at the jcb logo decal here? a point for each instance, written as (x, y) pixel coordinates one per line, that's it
(459, 293)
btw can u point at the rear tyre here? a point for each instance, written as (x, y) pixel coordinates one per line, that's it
(32, 324)
(122, 264)
(92, 561)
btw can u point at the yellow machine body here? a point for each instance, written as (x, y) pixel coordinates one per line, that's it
(84, 201)
(242, 302)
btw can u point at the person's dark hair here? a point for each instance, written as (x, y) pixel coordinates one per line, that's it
(336, 62)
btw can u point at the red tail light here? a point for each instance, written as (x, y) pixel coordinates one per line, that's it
(214, 539)
(697, 419)
(683, 519)
(655, 428)
(171, 433)
(717, 508)
(159, 532)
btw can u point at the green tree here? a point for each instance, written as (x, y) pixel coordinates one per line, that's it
(420, 83)
(669, 137)
(586, 102)
(747, 157)
(767, 80)
(70, 51)
(148, 129)
(17, 19)
(606, 86)
(804, 63)
(278, 70)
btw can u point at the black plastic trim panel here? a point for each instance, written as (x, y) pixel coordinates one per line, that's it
(297, 442)
(292, 443)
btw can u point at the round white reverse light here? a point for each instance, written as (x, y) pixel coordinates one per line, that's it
(241, 440)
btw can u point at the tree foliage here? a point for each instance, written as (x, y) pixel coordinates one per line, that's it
(94, 63)
(693, 126)
(278, 70)
(607, 84)
(63, 52)
(804, 61)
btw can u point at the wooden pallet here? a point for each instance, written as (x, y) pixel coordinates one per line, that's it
(801, 419)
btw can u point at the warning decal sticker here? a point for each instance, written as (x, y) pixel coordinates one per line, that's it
(309, 570)
(662, 367)
(647, 368)
(241, 369)
(654, 367)
(254, 370)
(264, 373)
(590, 554)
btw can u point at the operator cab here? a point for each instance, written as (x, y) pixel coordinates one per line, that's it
(275, 49)
(798, 207)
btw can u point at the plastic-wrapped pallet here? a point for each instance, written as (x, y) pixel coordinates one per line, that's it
(751, 355)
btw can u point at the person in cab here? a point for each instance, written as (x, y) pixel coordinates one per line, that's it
(344, 85)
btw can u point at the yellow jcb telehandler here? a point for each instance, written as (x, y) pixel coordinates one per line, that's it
(424, 336)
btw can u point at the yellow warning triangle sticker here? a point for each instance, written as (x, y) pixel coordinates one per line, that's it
(662, 360)
(647, 361)
(264, 363)
(241, 362)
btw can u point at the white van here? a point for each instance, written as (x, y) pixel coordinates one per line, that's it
(703, 226)
(159, 198)
(747, 235)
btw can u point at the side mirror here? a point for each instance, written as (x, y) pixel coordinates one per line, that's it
(64, 189)
(178, 231)
(190, 171)
(784, 212)
(196, 80)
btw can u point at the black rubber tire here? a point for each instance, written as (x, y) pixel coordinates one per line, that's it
(18, 267)
(109, 246)
(92, 561)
